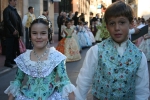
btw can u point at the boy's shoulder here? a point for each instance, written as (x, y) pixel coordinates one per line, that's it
(108, 43)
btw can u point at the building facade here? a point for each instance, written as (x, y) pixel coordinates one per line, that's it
(4, 4)
(39, 7)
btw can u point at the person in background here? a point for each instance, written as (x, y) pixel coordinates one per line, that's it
(91, 17)
(27, 20)
(12, 31)
(45, 14)
(70, 46)
(145, 43)
(63, 17)
(82, 18)
(115, 68)
(70, 15)
(59, 22)
(76, 18)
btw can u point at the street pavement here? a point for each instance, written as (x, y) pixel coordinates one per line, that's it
(8, 74)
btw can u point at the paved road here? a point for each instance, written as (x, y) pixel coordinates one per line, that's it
(73, 69)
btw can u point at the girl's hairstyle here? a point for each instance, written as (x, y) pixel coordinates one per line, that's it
(143, 20)
(117, 9)
(67, 23)
(71, 20)
(42, 21)
(63, 21)
(80, 23)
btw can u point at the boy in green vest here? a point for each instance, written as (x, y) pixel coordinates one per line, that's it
(115, 68)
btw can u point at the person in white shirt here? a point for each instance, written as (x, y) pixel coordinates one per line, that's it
(115, 68)
(27, 20)
(134, 30)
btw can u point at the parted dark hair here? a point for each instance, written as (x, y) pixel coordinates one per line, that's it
(30, 7)
(71, 20)
(66, 22)
(43, 21)
(117, 9)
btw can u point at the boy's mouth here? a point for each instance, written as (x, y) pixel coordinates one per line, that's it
(118, 35)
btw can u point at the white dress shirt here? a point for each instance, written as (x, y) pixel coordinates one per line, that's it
(85, 77)
(25, 17)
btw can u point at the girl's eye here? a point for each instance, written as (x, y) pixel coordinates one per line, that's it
(34, 33)
(43, 33)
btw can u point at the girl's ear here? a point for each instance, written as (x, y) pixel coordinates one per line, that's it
(131, 24)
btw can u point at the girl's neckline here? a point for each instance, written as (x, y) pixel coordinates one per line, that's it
(42, 60)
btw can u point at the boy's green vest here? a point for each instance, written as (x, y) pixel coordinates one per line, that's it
(115, 76)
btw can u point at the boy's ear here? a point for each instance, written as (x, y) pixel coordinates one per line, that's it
(131, 25)
(106, 27)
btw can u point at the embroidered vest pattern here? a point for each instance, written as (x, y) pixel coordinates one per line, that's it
(29, 20)
(114, 78)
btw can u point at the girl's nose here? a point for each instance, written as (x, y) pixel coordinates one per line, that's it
(38, 35)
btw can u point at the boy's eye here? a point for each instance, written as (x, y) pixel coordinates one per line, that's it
(121, 23)
(111, 23)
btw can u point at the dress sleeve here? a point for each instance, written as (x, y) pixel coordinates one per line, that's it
(85, 77)
(142, 81)
(15, 85)
(66, 86)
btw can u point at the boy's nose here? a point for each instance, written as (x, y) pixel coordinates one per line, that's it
(117, 27)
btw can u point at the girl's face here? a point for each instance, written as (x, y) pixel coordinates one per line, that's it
(118, 28)
(72, 22)
(68, 25)
(39, 35)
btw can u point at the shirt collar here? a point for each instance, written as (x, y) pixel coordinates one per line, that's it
(12, 7)
(123, 44)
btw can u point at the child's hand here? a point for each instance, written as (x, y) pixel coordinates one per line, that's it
(11, 97)
(71, 96)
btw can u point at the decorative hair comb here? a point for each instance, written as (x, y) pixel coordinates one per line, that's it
(44, 18)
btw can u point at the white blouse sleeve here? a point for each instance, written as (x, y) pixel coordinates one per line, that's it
(142, 81)
(84, 80)
(25, 17)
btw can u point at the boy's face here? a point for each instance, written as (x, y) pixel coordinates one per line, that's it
(118, 28)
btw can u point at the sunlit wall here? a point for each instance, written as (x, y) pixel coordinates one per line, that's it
(144, 8)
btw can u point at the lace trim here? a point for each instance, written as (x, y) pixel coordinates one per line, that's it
(13, 89)
(67, 89)
(29, 67)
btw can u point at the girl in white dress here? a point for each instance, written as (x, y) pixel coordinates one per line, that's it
(84, 39)
(90, 34)
(74, 34)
